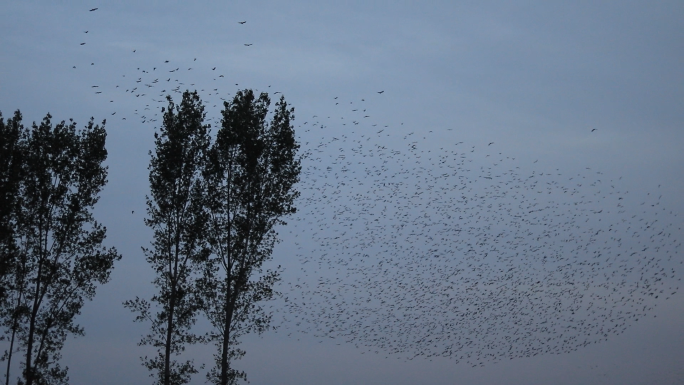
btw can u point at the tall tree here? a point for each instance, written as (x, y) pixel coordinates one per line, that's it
(12, 147)
(252, 168)
(58, 257)
(11, 155)
(177, 218)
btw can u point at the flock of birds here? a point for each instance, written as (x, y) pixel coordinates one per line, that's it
(459, 251)
(151, 84)
(464, 253)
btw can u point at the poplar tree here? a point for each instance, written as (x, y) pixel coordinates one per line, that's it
(11, 158)
(55, 257)
(175, 214)
(251, 171)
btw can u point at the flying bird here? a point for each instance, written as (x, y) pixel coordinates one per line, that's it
(94, 9)
(381, 91)
(593, 130)
(242, 22)
(82, 43)
(247, 45)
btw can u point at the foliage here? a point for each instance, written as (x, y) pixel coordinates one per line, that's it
(250, 175)
(176, 216)
(11, 153)
(56, 249)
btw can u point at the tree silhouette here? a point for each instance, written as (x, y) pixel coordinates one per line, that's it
(56, 248)
(177, 218)
(10, 176)
(251, 171)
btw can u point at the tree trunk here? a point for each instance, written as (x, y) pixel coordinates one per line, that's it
(28, 371)
(228, 309)
(15, 325)
(169, 336)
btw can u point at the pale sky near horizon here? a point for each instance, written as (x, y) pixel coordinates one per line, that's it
(386, 90)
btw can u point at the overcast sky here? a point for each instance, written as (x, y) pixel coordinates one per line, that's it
(576, 90)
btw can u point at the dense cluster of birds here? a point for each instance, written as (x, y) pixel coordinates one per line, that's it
(455, 250)
(461, 252)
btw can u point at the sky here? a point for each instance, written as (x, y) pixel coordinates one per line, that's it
(488, 188)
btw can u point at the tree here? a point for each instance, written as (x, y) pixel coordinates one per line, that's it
(10, 174)
(11, 159)
(251, 170)
(57, 252)
(177, 218)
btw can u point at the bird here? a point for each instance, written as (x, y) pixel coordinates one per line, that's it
(82, 43)
(381, 91)
(94, 9)
(248, 44)
(593, 129)
(242, 22)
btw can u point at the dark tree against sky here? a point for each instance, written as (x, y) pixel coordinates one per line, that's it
(175, 214)
(57, 253)
(252, 168)
(10, 167)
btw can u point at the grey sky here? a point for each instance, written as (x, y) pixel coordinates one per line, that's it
(533, 77)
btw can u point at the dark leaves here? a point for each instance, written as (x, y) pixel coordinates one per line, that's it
(56, 174)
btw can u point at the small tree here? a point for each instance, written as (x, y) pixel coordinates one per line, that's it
(250, 175)
(176, 216)
(57, 252)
